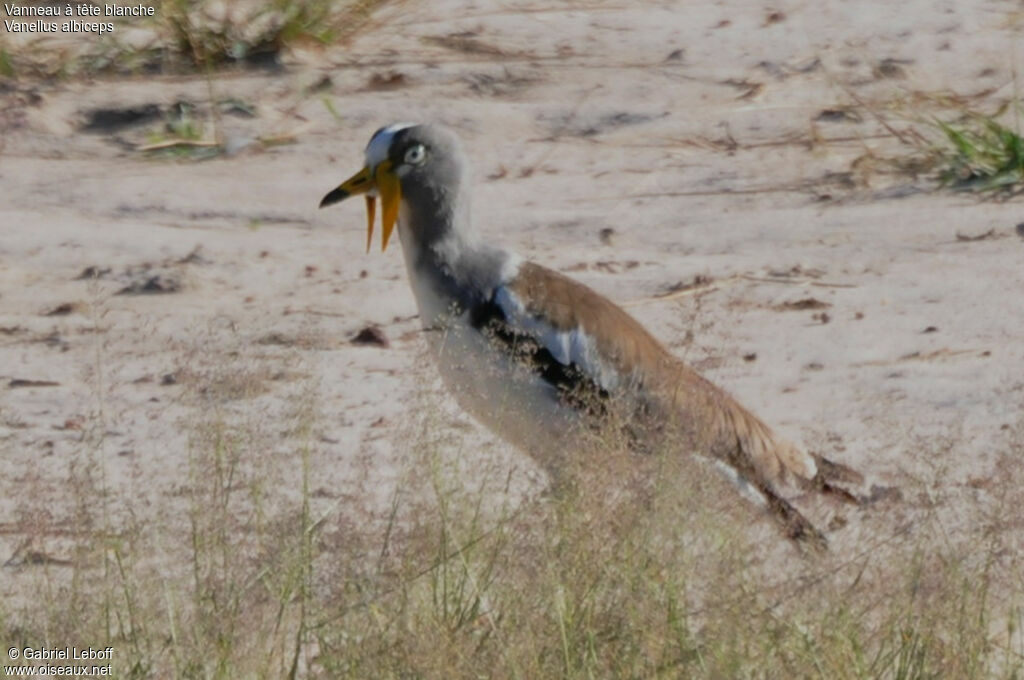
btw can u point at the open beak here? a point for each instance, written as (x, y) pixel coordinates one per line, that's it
(381, 180)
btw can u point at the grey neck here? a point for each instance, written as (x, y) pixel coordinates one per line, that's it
(443, 249)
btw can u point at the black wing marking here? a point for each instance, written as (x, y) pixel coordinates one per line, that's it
(572, 383)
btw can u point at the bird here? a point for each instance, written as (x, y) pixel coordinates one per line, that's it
(537, 356)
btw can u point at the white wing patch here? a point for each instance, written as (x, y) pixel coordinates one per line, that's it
(567, 347)
(510, 267)
(746, 489)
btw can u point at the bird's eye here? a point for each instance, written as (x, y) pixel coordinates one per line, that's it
(415, 155)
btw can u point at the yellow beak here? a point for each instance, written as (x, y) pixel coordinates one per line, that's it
(386, 183)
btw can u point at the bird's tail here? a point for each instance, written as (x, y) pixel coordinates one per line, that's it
(767, 458)
(780, 460)
(790, 520)
(759, 457)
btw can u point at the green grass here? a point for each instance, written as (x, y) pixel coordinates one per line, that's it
(981, 154)
(638, 568)
(956, 148)
(191, 36)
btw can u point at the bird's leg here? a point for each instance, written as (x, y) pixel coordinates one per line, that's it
(796, 526)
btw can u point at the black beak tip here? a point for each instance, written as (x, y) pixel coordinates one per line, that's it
(333, 197)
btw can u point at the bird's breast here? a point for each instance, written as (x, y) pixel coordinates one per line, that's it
(491, 385)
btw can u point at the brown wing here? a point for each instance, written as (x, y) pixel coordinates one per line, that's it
(717, 423)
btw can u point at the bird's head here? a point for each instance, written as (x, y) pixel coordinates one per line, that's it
(421, 163)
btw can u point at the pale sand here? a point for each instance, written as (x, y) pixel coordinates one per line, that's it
(690, 138)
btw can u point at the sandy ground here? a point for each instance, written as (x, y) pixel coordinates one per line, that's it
(634, 148)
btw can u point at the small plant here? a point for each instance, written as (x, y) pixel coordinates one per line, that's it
(943, 138)
(256, 37)
(195, 35)
(985, 155)
(6, 65)
(182, 136)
